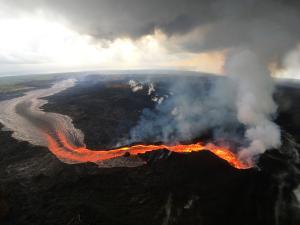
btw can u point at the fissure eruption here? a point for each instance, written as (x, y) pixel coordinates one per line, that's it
(66, 151)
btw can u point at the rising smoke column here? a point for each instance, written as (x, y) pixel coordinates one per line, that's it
(254, 102)
(256, 34)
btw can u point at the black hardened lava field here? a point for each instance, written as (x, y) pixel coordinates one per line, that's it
(149, 112)
(168, 188)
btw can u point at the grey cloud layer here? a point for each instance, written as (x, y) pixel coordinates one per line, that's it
(231, 22)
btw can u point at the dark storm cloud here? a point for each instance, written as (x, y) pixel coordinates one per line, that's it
(114, 18)
(256, 23)
(259, 25)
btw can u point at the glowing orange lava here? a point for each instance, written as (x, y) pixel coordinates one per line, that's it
(68, 152)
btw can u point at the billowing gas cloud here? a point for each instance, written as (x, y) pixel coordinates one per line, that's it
(254, 102)
(190, 108)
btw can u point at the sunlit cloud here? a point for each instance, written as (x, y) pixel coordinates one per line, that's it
(290, 65)
(35, 43)
(209, 62)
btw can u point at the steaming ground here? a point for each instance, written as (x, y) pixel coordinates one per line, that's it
(189, 108)
(182, 110)
(253, 37)
(112, 111)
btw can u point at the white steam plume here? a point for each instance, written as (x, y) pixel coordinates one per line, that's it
(254, 102)
(135, 86)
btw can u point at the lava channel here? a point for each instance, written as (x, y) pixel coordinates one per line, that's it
(64, 150)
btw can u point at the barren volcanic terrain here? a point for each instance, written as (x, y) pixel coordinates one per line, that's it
(170, 188)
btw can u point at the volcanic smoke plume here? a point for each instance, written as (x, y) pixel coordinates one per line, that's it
(239, 108)
(253, 42)
(254, 102)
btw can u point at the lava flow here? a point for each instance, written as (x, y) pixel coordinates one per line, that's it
(66, 151)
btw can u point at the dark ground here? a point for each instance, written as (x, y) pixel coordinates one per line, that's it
(103, 110)
(196, 188)
(288, 98)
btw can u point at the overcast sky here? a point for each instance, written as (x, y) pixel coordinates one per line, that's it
(71, 35)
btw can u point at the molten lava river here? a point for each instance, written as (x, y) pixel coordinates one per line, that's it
(66, 151)
(25, 117)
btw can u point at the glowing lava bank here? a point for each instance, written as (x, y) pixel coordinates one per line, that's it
(64, 150)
